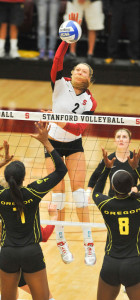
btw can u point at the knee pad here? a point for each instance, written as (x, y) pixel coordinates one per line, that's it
(59, 200)
(80, 198)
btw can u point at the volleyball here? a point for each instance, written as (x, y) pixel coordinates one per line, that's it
(70, 31)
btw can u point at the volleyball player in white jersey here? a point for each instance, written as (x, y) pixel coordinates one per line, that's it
(71, 96)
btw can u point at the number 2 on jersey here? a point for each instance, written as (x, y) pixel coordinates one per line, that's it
(123, 226)
(76, 107)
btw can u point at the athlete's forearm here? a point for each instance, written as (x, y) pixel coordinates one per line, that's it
(95, 175)
(75, 129)
(58, 162)
(44, 185)
(48, 146)
(58, 60)
(99, 187)
(60, 170)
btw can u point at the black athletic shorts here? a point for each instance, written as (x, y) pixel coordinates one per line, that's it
(11, 13)
(66, 149)
(121, 271)
(29, 258)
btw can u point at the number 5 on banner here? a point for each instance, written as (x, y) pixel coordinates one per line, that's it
(123, 226)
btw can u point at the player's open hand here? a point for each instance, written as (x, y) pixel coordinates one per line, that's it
(42, 134)
(134, 161)
(74, 17)
(7, 156)
(108, 162)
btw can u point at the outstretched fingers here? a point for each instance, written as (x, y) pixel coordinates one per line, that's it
(8, 157)
(108, 162)
(104, 152)
(42, 134)
(104, 155)
(38, 128)
(75, 17)
(134, 161)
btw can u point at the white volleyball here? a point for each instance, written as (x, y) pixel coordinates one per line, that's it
(70, 31)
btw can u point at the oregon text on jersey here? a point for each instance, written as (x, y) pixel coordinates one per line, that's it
(125, 212)
(13, 203)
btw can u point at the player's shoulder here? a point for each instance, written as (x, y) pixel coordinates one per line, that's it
(67, 79)
(99, 198)
(63, 82)
(90, 96)
(102, 196)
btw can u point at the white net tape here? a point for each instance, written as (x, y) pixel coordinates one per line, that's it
(93, 119)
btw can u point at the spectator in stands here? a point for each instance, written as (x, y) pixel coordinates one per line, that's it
(12, 15)
(47, 9)
(123, 12)
(94, 17)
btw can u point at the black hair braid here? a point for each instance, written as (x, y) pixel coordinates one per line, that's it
(14, 175)
(16, 195)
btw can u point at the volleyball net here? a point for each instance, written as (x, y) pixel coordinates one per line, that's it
(16, 126)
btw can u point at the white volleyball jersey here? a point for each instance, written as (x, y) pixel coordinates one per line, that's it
(65, 100)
